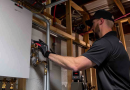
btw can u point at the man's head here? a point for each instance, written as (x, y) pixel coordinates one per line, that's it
(101, 23)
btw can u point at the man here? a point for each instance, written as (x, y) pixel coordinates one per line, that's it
(107, 55)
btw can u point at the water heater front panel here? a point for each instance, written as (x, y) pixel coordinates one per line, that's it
(15, 40)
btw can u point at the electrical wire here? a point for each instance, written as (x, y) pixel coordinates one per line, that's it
(54, 15)
(34, 3)
(54, 20)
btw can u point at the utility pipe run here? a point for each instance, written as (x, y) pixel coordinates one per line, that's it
(48, 43)
(55, 3)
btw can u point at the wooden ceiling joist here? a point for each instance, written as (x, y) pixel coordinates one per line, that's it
(76, 7)
(51, 17)
(121, 7)
(123, 20)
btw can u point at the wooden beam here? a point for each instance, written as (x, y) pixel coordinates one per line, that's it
(69, 41)
(58, 31)
(48, 10)
(122, 20)
(21, 84)
(76, 7)
(94, 78)
(129, 21)
(121, 32)
(120, 6)
(51, 17)
(69, 53)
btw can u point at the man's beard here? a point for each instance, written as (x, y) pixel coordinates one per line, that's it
(96, 32)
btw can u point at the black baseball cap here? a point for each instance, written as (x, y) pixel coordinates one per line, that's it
(100, 14)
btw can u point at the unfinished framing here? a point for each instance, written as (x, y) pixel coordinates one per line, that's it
(91, 73)
(120, 30)
(68, 36)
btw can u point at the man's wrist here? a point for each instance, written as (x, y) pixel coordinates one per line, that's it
(47, 54)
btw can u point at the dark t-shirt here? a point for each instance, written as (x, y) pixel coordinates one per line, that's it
(112, 63)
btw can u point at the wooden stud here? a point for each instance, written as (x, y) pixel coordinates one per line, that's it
(129, 21)
(69, 41)
(121, 32)
(21, 84)
(48, 10)
(94, 78)
(68, 17)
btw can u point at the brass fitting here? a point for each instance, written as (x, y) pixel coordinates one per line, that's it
(45, 68)
(45, 71)
(4, 83)
(34, 46)
(33, 55)
(12, 82)
(37, 62)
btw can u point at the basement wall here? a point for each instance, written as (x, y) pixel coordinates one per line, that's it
(35, 81)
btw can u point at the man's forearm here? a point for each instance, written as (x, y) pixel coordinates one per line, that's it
(64, 61)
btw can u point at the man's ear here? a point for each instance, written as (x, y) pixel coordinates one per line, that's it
(101, 21)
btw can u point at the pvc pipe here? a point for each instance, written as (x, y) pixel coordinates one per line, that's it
(48, 43)
(55, 3)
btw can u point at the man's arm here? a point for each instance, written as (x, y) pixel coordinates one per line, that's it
(72, 63)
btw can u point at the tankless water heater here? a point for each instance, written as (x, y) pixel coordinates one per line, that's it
(15, 40)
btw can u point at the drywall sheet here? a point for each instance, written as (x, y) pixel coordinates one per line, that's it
(15, 40)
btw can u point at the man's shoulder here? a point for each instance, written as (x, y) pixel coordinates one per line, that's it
(102, 41)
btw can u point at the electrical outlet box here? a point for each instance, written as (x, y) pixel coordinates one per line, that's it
(15, 40)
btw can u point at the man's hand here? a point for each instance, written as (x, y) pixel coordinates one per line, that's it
(43, 48)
